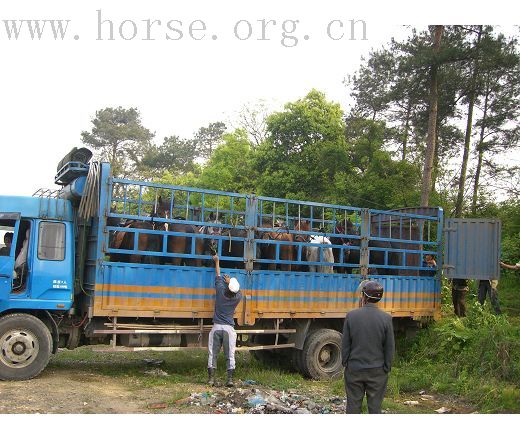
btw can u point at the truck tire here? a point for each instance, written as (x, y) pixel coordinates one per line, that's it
(25, 346)
(297, 361)
(321, 355)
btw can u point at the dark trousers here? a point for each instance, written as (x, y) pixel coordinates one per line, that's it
(459, 288)
(459, 302)
(369, 381)
(485, 288)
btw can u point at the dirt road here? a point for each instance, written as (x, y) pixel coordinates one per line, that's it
(103, 384)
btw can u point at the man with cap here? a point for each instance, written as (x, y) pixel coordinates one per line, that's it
(367, 350)
(223, 333)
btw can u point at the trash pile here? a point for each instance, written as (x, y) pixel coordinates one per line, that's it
(257, 401)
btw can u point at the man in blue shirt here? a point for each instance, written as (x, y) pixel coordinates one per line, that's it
(223, 333)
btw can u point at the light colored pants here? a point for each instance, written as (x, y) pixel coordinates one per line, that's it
(222, 335)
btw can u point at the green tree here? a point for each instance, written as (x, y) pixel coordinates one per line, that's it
(375, 180)
(207, 138)
(230, 167)
(500, 108)
(305, 149)
(175, 155)
(119, 137)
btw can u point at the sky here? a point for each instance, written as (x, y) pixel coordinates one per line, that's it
(233, 55)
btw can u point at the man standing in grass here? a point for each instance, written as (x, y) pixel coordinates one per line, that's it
(223, 333)
(367, 351)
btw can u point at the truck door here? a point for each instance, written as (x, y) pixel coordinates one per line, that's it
(9, 224)
(472, 248)
(52, 261)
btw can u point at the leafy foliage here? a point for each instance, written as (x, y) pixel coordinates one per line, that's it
(230, 165)
(119, 137)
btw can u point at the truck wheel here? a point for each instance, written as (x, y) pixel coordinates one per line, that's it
(321, 355)
(25, 346)
(297, 360)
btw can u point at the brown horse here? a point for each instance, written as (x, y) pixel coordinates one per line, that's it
(181, 244)
(302, 225)
(124, 240)
(207, 246)
(268, 251)
(343, 241)
(376, 256)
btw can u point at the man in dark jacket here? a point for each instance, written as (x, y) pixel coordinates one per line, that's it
(223, 333)
(367, 351)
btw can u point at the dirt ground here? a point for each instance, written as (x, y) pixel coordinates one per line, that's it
(68, 391)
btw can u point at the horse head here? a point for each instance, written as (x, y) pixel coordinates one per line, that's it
(345, 229)
(161, 210)
(212, 229)
(302, 225)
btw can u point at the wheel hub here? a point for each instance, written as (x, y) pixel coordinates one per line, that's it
(328, 356)
(18, 348)
(325, 356)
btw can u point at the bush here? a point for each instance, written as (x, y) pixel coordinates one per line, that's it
(476, 357)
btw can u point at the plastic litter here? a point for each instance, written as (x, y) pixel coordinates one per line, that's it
(262, 401)
(411, 402)
(256, 400)
(156, 372)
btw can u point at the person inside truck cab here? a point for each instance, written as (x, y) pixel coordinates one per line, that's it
(20, 264)
(21, 259)
(8, 241)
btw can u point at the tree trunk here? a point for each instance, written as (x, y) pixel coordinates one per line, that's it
(480, 153)
(435, 168)
(467, 139)
(432, 121)
(406, 129)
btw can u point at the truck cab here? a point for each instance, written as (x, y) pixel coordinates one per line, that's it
(36, 269)
(36, 276)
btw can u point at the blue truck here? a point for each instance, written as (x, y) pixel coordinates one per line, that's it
(126, 265)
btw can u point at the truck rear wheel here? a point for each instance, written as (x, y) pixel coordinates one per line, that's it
(297, 360)
(25, 346)
(321, 354)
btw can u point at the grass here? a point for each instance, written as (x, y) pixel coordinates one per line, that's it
(474, 360)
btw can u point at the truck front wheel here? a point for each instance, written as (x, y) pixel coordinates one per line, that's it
(25, 346)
